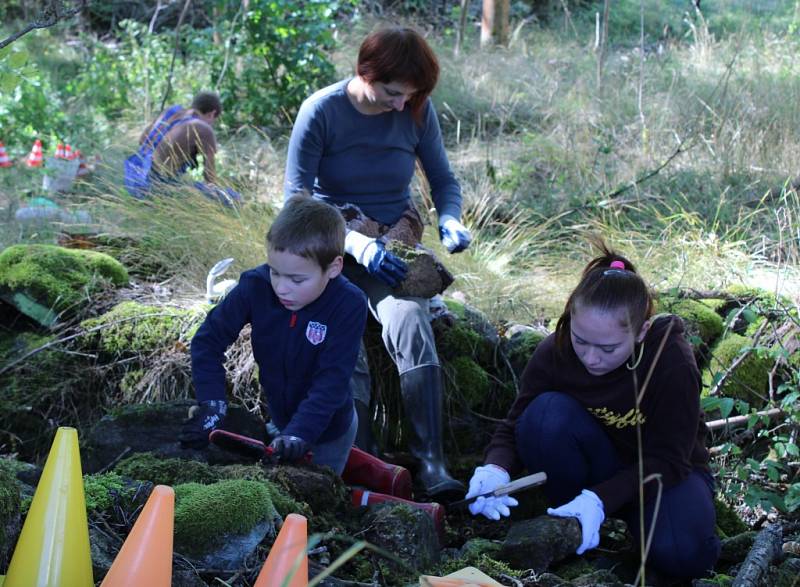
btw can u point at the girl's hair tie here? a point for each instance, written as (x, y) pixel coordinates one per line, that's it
(617, 265)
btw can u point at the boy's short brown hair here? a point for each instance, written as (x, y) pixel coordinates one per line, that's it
(206, 102)
(308, 228)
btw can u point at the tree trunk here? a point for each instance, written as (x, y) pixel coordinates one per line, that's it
(495, 23)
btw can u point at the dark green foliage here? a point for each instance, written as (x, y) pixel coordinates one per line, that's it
(9, 498)
(279, 56)
(728, 522)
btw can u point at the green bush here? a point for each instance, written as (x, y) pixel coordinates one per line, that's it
(278, 57)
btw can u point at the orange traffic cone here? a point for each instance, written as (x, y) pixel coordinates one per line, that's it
(4, 160)
(83, 169)
(59, 151)
(146, 556)
(68, 152)
(35, 157)
(287, 558)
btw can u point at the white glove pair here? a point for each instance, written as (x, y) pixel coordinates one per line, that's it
(587, 507)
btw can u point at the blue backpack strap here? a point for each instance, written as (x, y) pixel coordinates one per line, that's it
(158, 132)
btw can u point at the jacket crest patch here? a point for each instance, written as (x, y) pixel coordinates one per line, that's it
(315, 332)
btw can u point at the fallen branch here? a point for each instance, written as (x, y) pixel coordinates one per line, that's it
(737, 420)
(766, 548)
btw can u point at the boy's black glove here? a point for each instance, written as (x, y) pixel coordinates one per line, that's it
(203, 418)
(289, 449)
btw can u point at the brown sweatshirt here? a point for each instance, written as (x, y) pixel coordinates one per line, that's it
(673, 427)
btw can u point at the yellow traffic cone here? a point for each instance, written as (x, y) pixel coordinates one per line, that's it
(53, 547)
(146, 556)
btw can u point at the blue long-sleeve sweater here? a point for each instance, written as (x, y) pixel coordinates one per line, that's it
(305, 358)
(339, 154)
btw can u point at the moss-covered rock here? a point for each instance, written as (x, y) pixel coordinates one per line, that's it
(98, 490)
(147, 466)
(520, 347)
(470, 379)
(130, 328)
(56, 277)
(701, 321)
(205, 514)
(426, 275)
(749, 379)
(728, 522)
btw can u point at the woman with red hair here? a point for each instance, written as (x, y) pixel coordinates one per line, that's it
(357, 142)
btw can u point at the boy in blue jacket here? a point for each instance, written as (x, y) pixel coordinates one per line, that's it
(307, 322)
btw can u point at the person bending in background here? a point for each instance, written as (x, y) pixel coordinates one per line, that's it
(181, 135)
(357, 142)
(307, 322)
(576, 419)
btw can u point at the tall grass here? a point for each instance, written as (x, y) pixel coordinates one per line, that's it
(688, 180)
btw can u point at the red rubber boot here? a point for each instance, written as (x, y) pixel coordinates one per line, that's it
(363, 498)
(369, 471)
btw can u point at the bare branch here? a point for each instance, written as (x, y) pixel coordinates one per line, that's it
(50, 15)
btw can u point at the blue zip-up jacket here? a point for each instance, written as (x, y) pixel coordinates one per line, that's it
(305, 358)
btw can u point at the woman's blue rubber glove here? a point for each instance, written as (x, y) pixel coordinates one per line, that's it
(372, 254)
(485, 479)
(588, 508)
(453, 234)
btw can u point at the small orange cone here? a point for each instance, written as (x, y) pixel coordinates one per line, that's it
(68, 152)
(4, 160)
(146, 556)
(289, 550)
(59, 151)
(35, 157)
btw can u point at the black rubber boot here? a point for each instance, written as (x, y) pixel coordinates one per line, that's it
(365, 440)
(422, 400)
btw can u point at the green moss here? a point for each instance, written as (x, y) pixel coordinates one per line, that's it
(204, 514)
(98, 490)
(470, 379)
(750, 378)
(456, 308)
(522, 346)
(701, 321)
(161, 471)
(457, 340)
(9, 496)
(56, 277)
(131, 327)
(284, 504)
(728, 522)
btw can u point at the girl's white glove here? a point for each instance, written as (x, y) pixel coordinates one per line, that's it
(487, 478)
